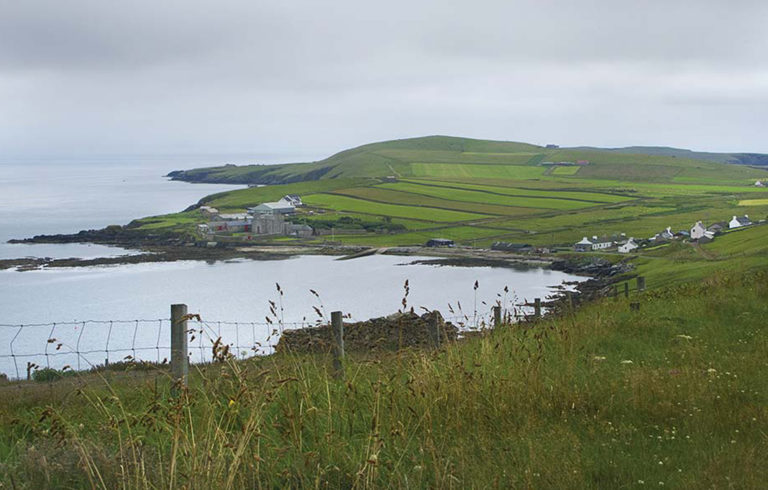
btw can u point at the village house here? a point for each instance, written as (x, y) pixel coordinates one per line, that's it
(665, 235)
(697, 231)
(760, 183)
(586, 245)
(292, 199)
(718, 227)
(739, 221)
(209, 211)
(628, 246)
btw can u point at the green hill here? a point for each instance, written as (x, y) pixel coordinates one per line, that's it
(755, 159)
(475, 192)
(446, 156)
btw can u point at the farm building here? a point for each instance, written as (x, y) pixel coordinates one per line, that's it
(440, 242)
(279, 207)
(297, 230)
(268, 224)
(759, 183)
(222, 225)
(739, 221)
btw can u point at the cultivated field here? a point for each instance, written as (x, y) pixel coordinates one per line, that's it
(476, 192)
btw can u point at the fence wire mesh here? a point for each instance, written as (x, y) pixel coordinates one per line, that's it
(91, 344)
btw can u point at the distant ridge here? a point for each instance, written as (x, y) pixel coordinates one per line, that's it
(406, 157)
(753, 159)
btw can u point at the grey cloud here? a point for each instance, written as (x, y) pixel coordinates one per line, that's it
(96, 75)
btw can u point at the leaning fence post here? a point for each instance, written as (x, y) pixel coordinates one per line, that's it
(497, 316)
(338, 343)
(537, 307)
(179, 358)
(641, 283)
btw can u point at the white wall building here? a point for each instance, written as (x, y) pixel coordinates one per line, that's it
(739, 221)
(628, 247)
(698, 231)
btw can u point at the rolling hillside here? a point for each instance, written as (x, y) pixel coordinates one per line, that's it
(476, 192)
(445, 156)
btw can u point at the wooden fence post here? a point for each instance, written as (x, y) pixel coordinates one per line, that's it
(497, 316)
(626, 289)
(641, 283)
(179, 350)
(537, 307)
(337, 325)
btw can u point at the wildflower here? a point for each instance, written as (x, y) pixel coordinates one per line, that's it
(641, 482)
(598, 358)
(684, 337)
(231, 402)
(711, 370)
(626, 361)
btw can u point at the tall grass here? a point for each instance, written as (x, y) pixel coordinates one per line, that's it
(674, 395)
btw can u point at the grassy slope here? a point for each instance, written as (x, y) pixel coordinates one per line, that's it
(498, 188)
(602, 398)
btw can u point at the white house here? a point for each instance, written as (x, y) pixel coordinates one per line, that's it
(601, 243)
(759, 183)
(585, 245)
(292, 199)
(739, 221)
(628, 246)
(698, 231)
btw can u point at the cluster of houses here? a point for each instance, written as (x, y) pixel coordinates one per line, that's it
(698, 233)
(266, 219)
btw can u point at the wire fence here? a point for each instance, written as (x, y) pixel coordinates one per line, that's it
(74, 346)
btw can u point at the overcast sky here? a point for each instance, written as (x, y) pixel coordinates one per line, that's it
(83, 77)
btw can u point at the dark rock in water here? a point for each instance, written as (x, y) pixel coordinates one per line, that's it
(394, 332)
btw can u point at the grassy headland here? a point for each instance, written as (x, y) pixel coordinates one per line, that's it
(477, 192)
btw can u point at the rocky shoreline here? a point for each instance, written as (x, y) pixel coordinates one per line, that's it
(601, 273)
